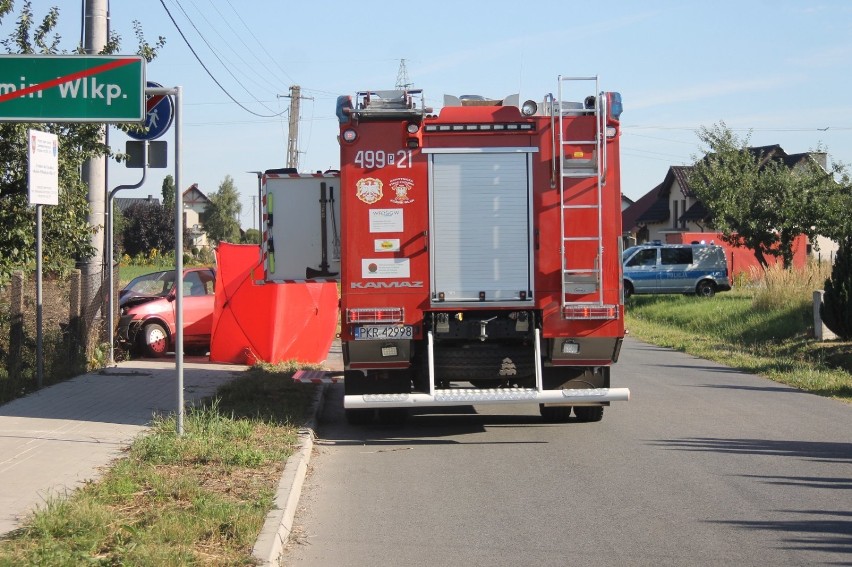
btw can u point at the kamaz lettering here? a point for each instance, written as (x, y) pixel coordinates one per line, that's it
(384, 285)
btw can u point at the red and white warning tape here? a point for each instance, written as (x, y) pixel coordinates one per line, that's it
(316, 377)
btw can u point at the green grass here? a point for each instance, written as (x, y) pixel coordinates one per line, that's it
(196, 499)
(762, 328)
(127, 273)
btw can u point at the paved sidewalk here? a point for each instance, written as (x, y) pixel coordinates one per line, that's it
(55, 439)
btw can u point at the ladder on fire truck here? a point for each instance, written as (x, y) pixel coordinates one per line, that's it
(579, 159)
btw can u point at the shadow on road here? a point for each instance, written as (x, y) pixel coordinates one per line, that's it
(812, 450)
(830, 534)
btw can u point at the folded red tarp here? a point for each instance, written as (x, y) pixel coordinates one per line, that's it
(271, 322)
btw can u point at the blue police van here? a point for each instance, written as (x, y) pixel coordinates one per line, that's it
(701, 269)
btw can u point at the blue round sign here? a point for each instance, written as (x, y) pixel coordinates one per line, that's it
(159, 114)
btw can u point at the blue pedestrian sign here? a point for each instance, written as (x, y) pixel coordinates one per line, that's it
(159, 114)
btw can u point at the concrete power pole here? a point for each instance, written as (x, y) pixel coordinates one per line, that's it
(293, 136)
(96, 27)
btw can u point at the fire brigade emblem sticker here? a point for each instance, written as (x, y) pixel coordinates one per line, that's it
(401, 187)
(369, 190)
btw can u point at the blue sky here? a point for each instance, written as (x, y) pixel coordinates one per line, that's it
(779, 70)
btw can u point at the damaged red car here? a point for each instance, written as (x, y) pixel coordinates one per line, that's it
(147, 312)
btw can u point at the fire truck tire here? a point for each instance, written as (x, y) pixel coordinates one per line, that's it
(555, 414)
(155, 340)
(588, 414)
(359, 416)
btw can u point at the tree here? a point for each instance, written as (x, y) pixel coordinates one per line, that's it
(836, 306)
(220, 216)
(169, 192)
(758, 201)
(148, 226)
(66, 232)
(251, 236)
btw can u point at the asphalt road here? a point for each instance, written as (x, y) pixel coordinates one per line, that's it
(704, 466)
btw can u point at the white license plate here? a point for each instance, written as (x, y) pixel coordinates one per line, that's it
(383, 332)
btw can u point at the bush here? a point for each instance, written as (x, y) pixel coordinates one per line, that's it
(777, 287)
(836, 305)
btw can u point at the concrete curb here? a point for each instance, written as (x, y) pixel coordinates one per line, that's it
(276, 530)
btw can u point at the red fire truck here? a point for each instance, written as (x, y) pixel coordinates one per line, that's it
(481, 258)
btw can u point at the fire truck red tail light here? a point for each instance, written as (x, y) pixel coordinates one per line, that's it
(376, 315)
(591, 312)
(349, 135)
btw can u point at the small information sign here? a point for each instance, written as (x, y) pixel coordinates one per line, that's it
(43, 160)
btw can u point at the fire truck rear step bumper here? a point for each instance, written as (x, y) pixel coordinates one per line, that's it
(459, 396)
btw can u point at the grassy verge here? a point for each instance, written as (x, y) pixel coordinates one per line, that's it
(198, 499)
(764, 327)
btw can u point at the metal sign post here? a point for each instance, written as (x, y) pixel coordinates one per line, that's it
(158, 119)
(178, 119)
(43, 189)
(110, 222)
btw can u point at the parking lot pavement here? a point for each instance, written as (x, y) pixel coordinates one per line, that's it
(54, 440)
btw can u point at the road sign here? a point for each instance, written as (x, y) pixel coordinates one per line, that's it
(72, 88)
(157, 154)
(43, 158)
(159, 114)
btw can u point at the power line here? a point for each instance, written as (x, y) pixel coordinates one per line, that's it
(206, 70)
(650, 152)
(741, 129)
(254, 35)
(214, 52)
(629, 154)
(264, 76)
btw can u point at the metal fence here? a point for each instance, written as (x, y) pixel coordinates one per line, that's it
(71, 331)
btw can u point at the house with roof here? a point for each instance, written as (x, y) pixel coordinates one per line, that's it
(194, 203)
(124, 203)
(671, 212)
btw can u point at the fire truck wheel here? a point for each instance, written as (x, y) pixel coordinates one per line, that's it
(359, 416)
(555, 414)
(588, 414)
(705, 288)
(155, 340)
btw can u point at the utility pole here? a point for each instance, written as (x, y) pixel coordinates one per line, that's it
(96, 28)
(295, 97)
(293, 137)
